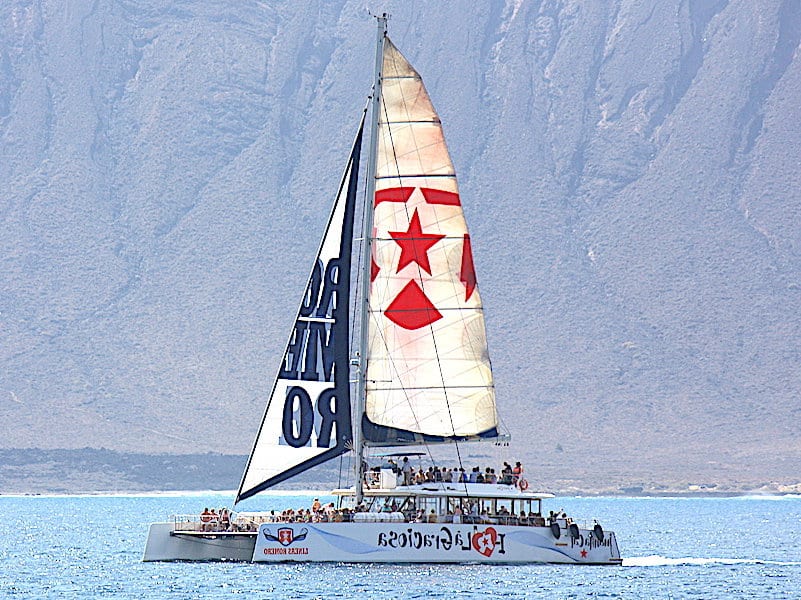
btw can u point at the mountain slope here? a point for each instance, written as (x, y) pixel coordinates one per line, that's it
(629, 174)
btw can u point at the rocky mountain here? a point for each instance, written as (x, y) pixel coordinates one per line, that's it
(629, 170)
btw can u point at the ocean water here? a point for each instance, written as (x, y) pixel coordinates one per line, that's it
(708, 548)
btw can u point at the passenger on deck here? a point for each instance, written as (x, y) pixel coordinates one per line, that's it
(479, 477)
(517, 472)
(316, 506)
(462, 475)
(474, 475)
(506, 474)
(447, 477)
(406, 469)
(205, 519)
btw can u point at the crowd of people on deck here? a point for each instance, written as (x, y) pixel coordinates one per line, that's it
(407, 475)
(212, 520)
(470, 512)
(223, 520)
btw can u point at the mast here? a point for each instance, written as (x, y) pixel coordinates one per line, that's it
(367, 222)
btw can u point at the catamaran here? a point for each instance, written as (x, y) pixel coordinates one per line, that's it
(422, 377)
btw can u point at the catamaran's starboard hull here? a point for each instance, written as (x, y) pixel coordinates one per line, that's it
(385, 542)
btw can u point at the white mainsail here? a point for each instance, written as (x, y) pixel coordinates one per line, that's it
(308, 416)
(428, 369)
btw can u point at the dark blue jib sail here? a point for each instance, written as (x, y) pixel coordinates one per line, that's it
(308, 415)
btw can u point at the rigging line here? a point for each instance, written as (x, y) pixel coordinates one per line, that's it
(420, 275)
(354, 299)
(362, 241)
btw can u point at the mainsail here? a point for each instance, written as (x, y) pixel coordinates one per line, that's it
(308, 417)
(428, 369)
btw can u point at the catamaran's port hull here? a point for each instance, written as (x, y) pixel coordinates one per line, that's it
(384, 542)
(165, 544)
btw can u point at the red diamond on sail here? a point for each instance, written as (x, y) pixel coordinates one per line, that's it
(412, 309)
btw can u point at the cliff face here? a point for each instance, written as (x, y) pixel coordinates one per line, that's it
(630, 173)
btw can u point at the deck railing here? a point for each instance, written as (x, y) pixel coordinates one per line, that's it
(249, 522)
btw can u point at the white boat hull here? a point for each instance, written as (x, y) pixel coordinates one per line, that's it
(166, 544)
(384, 542)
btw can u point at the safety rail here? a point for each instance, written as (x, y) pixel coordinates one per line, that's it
(235, 522)
(244, 522)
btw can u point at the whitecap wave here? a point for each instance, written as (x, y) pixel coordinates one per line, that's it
(664, 561)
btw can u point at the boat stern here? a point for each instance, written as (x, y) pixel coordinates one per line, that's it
(165, 543)
(591, 546)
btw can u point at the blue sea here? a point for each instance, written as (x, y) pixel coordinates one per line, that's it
(91, 547)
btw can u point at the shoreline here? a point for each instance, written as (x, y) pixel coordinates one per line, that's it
(87, 471)
(672, 494)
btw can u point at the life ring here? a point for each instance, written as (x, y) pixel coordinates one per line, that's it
(523, 485)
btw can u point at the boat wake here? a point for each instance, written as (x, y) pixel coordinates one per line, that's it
(664, 561)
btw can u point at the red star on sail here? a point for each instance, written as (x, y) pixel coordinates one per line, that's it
(415, 244)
